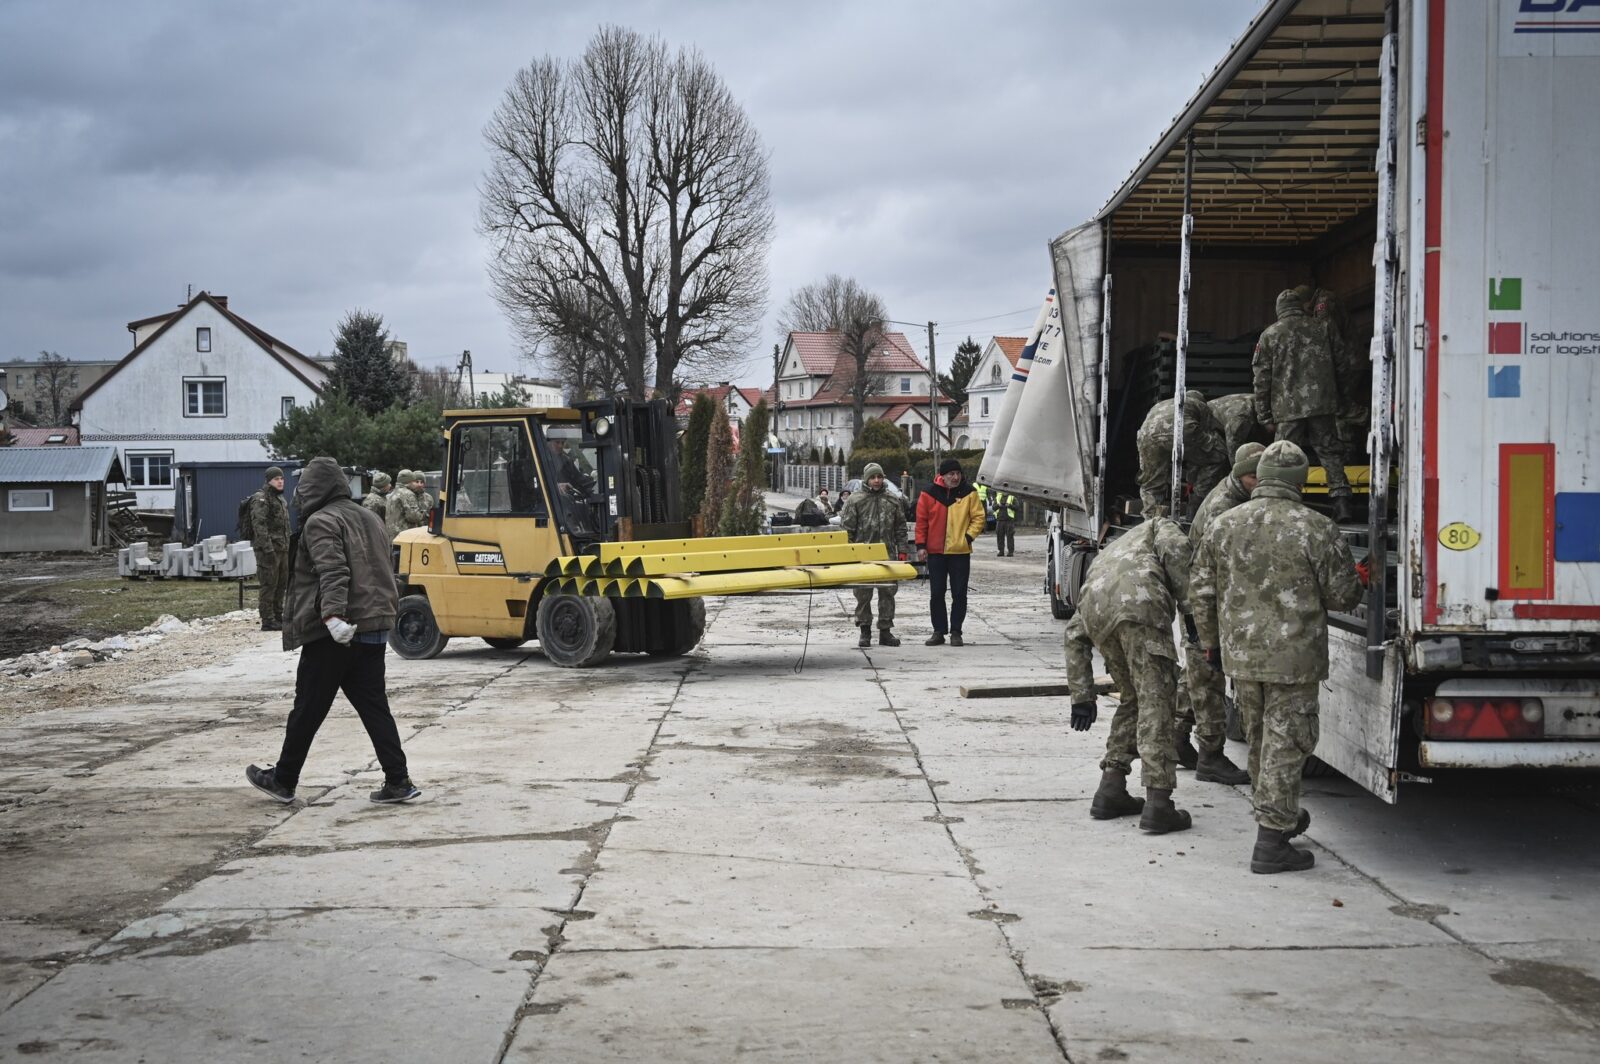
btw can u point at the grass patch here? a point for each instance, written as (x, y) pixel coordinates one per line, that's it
(119, 605)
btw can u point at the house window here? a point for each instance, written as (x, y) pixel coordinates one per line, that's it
(905, 385)
(287, 407)
(205, 397)
(149, 469)
(994, 373)
(32, 499)
(202, 339)
(916, 432)
(983, 405)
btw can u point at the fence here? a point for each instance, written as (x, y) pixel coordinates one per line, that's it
(809, 479)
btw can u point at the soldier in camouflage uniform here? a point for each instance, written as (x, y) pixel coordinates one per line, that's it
(1297, 390)
(1205, 458)
(1208, 711)
(1237, 416)
(405, 507)
(1126, 610)
(269, 539)
(377, 499)
(1265, 576)
(872, 515)
(1353, 416)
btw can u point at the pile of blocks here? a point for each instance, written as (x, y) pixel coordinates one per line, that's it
(213, 558)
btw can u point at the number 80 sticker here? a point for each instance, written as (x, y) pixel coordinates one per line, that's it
(1459, 536)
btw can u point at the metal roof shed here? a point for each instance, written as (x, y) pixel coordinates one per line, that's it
(54, 498)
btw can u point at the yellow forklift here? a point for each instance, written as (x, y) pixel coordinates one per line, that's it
(564, 526)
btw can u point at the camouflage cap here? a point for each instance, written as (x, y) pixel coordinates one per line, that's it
(406, 476)
(1246, 458)
(1290, 299)
(382, 480)
(273, 472)
(1284, 462)
(1194, 395)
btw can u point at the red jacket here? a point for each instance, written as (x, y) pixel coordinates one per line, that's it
(948, 520)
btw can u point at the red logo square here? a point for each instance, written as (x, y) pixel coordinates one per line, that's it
(1505, 337)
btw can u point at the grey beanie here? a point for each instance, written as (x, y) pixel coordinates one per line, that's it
(382, 480)
(1284, 462)
(870, 470)
(1245, 459)
(273, 472)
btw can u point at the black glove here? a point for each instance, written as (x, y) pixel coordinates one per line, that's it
(1083, 715)
(1213, 656)
(1188, 626)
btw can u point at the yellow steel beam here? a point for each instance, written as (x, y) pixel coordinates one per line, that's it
(611, 551)
(681, 587)
(728, 561)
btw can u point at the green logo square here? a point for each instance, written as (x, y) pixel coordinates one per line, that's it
(1505, 293)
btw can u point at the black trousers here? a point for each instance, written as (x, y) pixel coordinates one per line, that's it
(1005, 535)
(954, 570)
(326, 668)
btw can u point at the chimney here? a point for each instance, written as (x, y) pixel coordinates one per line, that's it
(222, 301)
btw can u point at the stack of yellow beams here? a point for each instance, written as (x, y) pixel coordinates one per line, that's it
(726, 565)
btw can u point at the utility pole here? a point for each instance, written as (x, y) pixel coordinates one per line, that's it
(464, 365)
(933, 395)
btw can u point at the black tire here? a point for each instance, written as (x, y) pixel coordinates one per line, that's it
(1058, 609)
(688, 626)
(416, 634)
(576, 631)
(504, 644)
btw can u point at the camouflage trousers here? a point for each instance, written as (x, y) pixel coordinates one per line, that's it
(272, 574)
(1145, 673)
(1280, 722)
(885, 594)
(1207, 707)
(1320, 434)
(1155, 473)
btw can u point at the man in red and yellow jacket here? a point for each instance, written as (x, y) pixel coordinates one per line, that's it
(949, 518)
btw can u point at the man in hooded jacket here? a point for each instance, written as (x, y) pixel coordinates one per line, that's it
(341, 604)
(949, 517)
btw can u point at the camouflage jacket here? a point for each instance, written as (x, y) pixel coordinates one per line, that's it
(1293, 367)
(1140, 578)
(875, 517)
(269, 521)
(1265, 576)
(1080, 660)
(1225, 496)
(404, 510)
(378, 503)
(1237, 416)
(1204, 444)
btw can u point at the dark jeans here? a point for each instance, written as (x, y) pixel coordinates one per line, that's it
(1005, 536)
(954, 569)
(326, 668)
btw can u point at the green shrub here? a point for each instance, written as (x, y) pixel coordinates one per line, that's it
(893, 461)
(881, 435)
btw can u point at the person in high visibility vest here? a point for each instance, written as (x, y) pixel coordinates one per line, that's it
(1005, 523)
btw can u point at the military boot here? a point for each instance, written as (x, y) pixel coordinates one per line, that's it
(866, 636)
(886, 638)
(1344, 510)
(1300, 825)
(1214, 766)
(1274, 854)
(1160, 815)
(1188, 756)
(1112, 799)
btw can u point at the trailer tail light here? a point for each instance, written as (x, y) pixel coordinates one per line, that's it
(1485, 718)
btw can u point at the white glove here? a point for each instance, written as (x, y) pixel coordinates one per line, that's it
(342, 630)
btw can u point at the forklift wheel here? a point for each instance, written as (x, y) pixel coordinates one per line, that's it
(576, 631)
(689, 627)
(416, 634)
(504, 644)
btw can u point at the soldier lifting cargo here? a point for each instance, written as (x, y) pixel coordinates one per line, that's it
(1205, 457)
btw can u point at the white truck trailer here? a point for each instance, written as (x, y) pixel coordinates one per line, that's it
(1434, 165)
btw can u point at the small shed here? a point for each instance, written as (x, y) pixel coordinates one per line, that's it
(54, 498)
(207, 496)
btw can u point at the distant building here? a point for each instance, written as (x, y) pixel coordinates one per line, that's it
(29, 385)
(987, 388)
(814, 407)
(735, 400)
(54, 498)
(530, 391)
(201, 384)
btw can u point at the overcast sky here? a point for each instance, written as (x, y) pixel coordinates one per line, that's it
(309, 158)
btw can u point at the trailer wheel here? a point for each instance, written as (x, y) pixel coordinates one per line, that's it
(504, 644)
(416, 634)
(688, 628)
(1058, 609)
(576, 631)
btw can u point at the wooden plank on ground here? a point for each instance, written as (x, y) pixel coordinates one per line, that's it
(1102, 685)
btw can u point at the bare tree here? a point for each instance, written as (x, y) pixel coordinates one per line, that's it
(628, 201)
(435, 386)
(840, 304)
(585, 372)
(55, 382)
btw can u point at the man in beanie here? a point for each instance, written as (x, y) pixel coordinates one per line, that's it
(1205, 457)
(1265, 576)
(1298, 387)
(342, 602)
(1208, 714)
(405, 508)
(377, 499)
(872, 515)
(269, 539)
(949, 518)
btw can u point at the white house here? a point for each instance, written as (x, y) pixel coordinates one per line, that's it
(530, 391)
(987, 388)
(737, 401)
(813, 396)
(200, 385)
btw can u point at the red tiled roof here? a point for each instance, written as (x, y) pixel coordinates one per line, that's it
(819, 353)
(27, 436)
(719, 395)
(1011, 347)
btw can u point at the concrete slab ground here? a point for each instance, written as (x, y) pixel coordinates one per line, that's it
(779, 847)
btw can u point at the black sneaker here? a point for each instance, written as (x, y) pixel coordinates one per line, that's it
(265, 780)
(395, 793)
(955, 639)
(934, 640)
